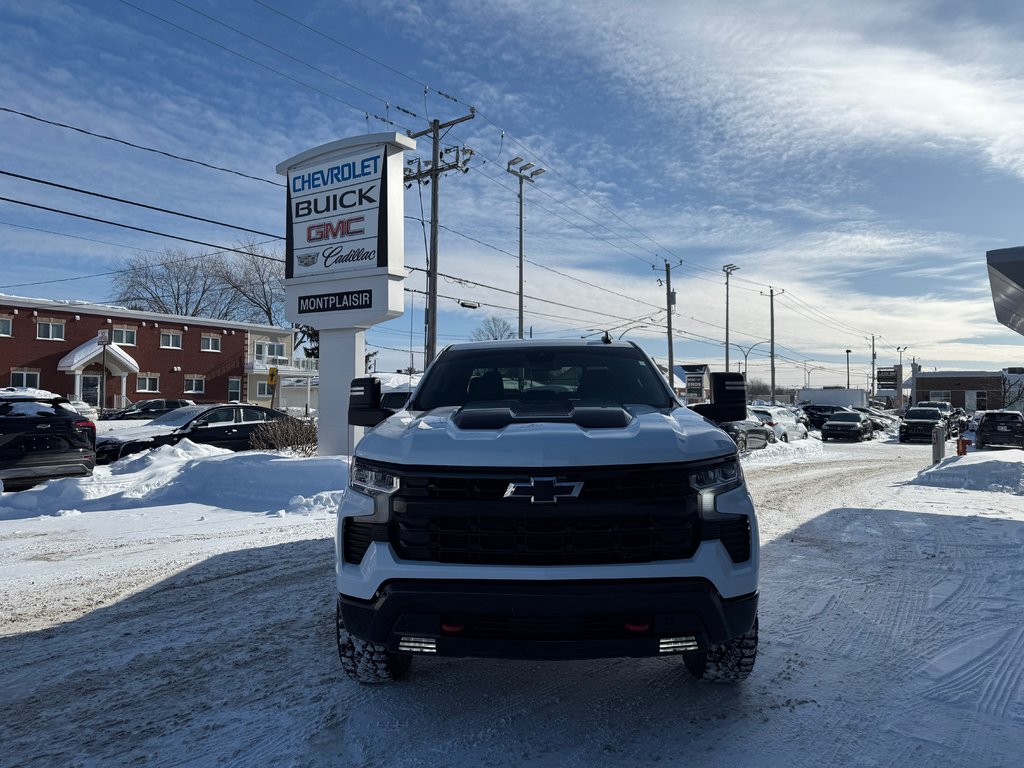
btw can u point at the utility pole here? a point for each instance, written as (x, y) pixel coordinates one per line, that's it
(873, 356)
(670, 302)
(521, 174)
(433, 175)
(771, 298)
(728, 269)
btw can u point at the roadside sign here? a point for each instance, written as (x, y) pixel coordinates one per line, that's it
(272, 378)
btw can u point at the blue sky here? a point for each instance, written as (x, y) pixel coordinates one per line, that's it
(860, 160)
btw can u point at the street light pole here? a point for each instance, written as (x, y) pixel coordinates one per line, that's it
(523, 173)
(746, 353)
(728, 269)
(848, 368)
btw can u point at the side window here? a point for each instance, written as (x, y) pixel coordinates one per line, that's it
(220, 416)
(253, 414)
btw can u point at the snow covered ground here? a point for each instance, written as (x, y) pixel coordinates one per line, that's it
(177, 609)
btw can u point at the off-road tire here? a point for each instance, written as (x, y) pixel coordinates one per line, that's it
(368, 662)
(730, 662)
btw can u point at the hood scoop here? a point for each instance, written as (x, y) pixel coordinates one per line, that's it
(499, 414)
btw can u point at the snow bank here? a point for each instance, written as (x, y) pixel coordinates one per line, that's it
(795, 451)
(999, 471)
(254, 481)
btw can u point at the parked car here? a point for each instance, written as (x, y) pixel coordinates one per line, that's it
(819, 414)
(947, 413)
(86, 410)
(972, 425)
(749, 434)
(801, 416)
(848, 425)
(42, 437)
(783, 422)
(225, 425)
(148, 409)
(918, 423)
(879, 419)
(1000, 428)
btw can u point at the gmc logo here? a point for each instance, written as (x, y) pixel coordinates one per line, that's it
(315, 233)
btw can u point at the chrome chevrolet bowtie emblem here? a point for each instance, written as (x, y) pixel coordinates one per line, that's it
(543, 490)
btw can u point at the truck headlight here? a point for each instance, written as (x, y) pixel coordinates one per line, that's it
(370, 480)
(713, 479)
(717, 477)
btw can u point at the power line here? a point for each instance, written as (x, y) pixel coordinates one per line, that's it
(138, 205)
(139, 146)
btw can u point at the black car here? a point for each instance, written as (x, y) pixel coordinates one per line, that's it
(228, 425)
(848, 425)
(918, 423)
(1000, 428)
(42, 437)
(817, 415)
(749, 433)
(946, 410)
(148, 409)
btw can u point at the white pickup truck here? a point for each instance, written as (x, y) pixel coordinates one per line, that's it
(544, 499)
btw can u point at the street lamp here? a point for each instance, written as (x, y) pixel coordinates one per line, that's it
(523, 173)
(746, 353)
(901, 350)
(728, 269)
(848, 368)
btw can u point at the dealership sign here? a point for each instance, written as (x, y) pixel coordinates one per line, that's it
(344, 257)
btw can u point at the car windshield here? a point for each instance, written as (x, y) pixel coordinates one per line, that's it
(542, 374)
(178, 416)
(930, 414)
(844, 416)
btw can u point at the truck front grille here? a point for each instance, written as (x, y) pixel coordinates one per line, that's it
(631, 514)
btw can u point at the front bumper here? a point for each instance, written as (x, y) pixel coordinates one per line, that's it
(548, 620)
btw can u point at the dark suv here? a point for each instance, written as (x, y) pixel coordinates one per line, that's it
(1000, 428)
(817, 415)
(42, 436)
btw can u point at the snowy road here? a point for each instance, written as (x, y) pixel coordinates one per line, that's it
(891, 623)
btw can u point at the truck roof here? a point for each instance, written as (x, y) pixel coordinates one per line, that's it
(540, 343)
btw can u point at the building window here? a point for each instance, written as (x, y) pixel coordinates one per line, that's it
(195, 385)
(125, 336)
(270, 352)
(170, 340)
(209, 343)
(940, 395)
(234, 389)
(263, 390)
(5, 326)
(50, 330)
(25, 379)
(147, 383)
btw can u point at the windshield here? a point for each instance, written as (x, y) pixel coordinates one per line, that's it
(577, 375)
(841, 416)
(929, 414)
(178, 416)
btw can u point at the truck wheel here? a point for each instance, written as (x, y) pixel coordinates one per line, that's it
(784, 437)
(368, 662)
(730, 662)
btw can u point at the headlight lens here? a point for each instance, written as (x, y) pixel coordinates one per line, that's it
(719, 477)
(371, 480)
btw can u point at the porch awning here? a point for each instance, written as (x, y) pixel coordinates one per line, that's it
(119, 362)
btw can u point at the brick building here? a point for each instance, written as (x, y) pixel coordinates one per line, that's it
(970, 390)
(55, 345)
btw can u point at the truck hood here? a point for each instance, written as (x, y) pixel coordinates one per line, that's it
(651, 437)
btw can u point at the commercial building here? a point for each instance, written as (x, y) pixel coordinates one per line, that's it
(83, 350)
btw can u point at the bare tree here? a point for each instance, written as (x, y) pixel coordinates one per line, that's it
(175, 282)
(257, 279)
(493, 327)
(241, 287)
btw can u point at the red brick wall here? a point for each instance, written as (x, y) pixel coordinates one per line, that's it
(958, 387)
(24, 351)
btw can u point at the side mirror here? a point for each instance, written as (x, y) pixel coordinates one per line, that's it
(364, 408)
(728, 398)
